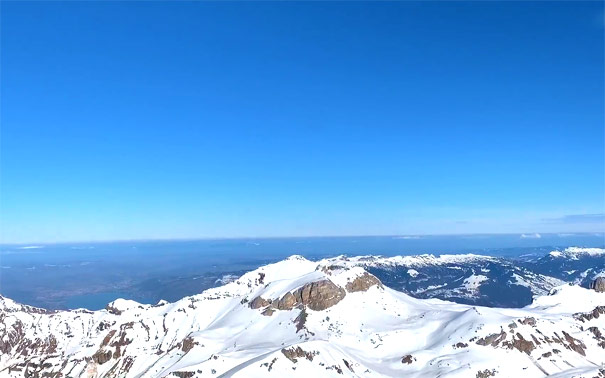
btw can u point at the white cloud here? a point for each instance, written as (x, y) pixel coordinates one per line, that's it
(531, 236)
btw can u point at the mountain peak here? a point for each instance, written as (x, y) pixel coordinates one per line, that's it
(302, 318)
(575, 252)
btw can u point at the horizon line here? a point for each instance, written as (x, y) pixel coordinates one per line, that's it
(143, 240)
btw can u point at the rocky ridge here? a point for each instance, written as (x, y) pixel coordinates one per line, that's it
(598, 284)
(301, 318)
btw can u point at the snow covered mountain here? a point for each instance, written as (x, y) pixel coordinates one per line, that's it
(301, 318)
(484, 280)
(579, 265)
(468, 279)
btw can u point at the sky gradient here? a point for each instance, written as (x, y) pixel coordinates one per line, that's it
(144, 120)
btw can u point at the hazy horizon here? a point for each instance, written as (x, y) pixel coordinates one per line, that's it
(521, 235)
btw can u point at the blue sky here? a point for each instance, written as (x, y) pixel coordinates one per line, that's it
(128, 120)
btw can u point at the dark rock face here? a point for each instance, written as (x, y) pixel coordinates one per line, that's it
(188, 344)
(113, 310)
(494, 339)
(318, 296)
(293, 354)
(287, 302)
(14, 340)
(102, 356)
(575, 344)
(485, 373)
(300, 320)
(183, 374)
(598, 336)
(598, 285)
(587, 316)
(521, 344)
(362, 283)
(27, 309)
(108, 338)
(259, 302)
(328, 269)
(408, 359)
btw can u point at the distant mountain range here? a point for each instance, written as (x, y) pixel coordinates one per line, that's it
(484, 280)
(335, 317)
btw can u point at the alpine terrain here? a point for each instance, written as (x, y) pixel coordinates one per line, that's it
(329, 318)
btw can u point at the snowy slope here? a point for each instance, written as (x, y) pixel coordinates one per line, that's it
(577, 252)
(301, 318)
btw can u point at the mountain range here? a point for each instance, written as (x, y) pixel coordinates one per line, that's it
(342, 316)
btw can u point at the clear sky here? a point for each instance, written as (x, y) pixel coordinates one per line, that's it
(127, 120)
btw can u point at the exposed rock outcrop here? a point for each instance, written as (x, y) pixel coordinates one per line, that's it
(287, 302)
(575, 344)
(494, 339)
(318, 296)
(528, 321)
(225, 326)
(520, 344)
(259, 302)
(485, 373)
(300, 320)
(293, 354)
(183, 374)
(408, 359)
(598, 285)
(113, 310)
(330, 268)
(102, 356)
(587, 316)
(362, 283)
(268, 311)
(188, 344)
